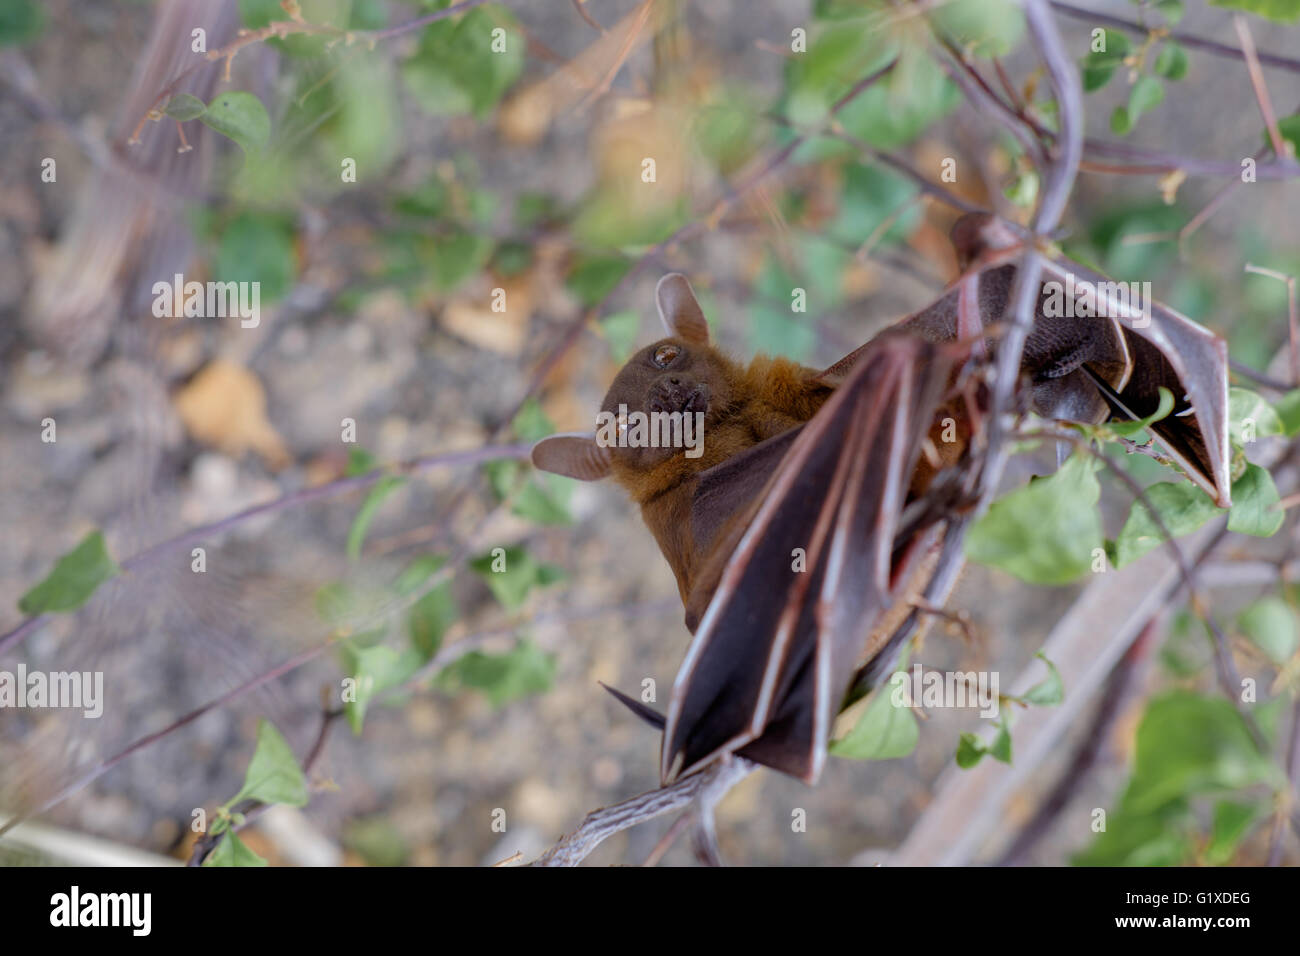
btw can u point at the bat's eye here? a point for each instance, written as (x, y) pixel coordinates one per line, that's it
(665, 354)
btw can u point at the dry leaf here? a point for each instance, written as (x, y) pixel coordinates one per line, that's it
(224, 407)
(504, 332)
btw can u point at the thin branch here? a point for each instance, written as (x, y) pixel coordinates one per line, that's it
(280, 29)
(250, 810)
(196, 536)
(1186, 39)
(697, 789)
(1259, 86)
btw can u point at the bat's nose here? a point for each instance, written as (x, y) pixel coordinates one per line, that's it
(676, 393)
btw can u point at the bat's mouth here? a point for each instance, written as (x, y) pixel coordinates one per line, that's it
(675, 395)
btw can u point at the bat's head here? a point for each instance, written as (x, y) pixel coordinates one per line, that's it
(659, 403)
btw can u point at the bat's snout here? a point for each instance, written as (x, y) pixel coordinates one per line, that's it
(677, 393)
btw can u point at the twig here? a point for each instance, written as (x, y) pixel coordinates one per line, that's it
(196, 536)
(104, 766)
(709, 784)
(283, 28)
(581, 7)
(1186, 39)
(250, 810)
(1258, 85)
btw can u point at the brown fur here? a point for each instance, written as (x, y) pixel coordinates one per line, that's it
(764, 399)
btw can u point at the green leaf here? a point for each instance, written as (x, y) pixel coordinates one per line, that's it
(518, 576)
(1163, 838)
(1288, 412)
(1249, 416)
(429, 618)
(873, 194)
(74, 578)
(1255, 502)
(455, 70)
(20, 21)
(1146, 95)
(774, 327)
(530, 423)
(970, 750)
(984, 28)
(1232, 822)
(886, 729)
(1050, 691)
(620, 331)
(726, 130)
(1182, 507)
(184, 107)
(273, 774)
(1289, 129)
(377, 841)
(545, 500)
(1023, 190)
(895, 111)
(1280, 11)
(257, 248)
(1001, 747)
(366, 513)
(1190, 744)
(232, 851)
(1171, 9)
(360, 462)
(1044, 533)
(1095, 77)
(594, 277)
(1120, 121)
(523, 671)
(1129, 429)
(457, 256)
(838, 54)
(377, 669)
(512, 258)
(1172, 61)
(241, 117)
(1270, 624)
(1100, 66)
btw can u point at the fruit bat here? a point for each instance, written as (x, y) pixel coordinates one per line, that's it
(803, 525)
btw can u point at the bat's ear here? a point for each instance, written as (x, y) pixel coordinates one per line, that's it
(680, 310)
(574, 455)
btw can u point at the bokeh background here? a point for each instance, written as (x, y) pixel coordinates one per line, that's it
(521, 170)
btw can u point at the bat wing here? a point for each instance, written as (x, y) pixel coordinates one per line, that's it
(795, 582)
(1170, 350)
(729, 489)
(1109, 364)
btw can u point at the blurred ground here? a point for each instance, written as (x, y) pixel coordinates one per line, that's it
(422, 783)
